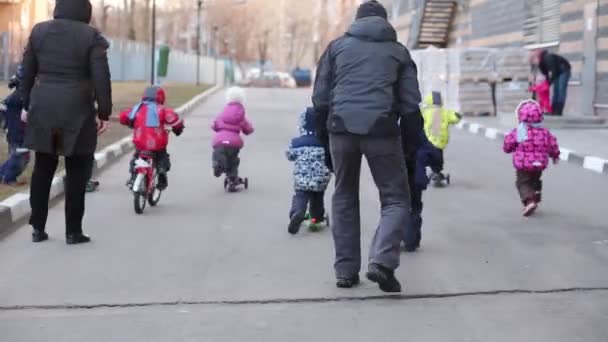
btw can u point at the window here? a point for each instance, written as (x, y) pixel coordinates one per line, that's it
(542, 22)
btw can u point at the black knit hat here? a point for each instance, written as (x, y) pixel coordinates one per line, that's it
(371, 9)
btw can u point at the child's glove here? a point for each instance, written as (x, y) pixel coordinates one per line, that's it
(178, 130)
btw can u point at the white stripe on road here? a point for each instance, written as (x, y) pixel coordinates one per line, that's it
(564, 154)
(595, 164)
(491, 133)
(474, 128)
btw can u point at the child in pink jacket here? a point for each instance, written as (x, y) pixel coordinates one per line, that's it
(227, 142)
(532, 146)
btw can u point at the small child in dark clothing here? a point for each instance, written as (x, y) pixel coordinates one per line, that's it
(311, 174)
(19, 157)
(420, 154)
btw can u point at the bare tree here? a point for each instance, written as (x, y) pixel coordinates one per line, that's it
(129, 8)
(263, 42)
(299, 31)
(146, 19)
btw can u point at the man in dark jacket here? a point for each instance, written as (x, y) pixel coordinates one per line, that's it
(365, 81)
(557, 70)
(65, 74)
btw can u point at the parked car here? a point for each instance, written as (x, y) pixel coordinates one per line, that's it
(303, 77)
(266, 80)
(287, 81)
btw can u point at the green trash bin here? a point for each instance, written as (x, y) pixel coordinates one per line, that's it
(163, 61)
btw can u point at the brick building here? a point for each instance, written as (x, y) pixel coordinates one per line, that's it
(576, 29)
(17, 17)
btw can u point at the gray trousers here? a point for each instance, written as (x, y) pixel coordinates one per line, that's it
(387, 165)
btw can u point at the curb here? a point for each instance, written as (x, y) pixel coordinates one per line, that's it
(17, 207)
(591, 163)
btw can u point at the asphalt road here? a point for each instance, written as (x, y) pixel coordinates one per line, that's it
(210, 266)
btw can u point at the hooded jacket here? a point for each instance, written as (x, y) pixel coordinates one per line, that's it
(365, 81)
(531, 144)
(437, 122)
(310, 171)
(66, 82)
(553, 65)
(229, 125)
(150, 120)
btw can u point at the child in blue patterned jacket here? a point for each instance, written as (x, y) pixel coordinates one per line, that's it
(311, 174)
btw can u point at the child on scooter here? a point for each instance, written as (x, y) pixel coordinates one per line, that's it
(149, 120)
(532, 146)
(227, 142)
(311, 175)
(437, 122)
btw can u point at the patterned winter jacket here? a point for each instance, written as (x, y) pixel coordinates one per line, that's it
(310, 171)
(531, 144)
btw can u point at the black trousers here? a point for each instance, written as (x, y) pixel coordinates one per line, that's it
(78, 171)
(226, 160)
(437, 167)
(413, 230)
(308, 200)
(529, 185)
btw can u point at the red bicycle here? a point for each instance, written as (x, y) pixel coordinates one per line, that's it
(145, 187)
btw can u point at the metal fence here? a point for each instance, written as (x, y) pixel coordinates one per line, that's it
(130, 61)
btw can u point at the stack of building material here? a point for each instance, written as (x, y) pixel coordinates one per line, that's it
(512, 64)
(512, 71)
(471, 64)
(470, 98)
(470, 73)
(509, 95)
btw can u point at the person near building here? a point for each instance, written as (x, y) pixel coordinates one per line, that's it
(65, 73)
(366, 80)
(557, 70)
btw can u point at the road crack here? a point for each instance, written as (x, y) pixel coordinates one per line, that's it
(303, 300)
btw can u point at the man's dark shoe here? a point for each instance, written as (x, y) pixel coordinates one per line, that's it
(75, 239)
(384, 277)
(296, 222)
(347, 283)
(411, 248)
(39, 236)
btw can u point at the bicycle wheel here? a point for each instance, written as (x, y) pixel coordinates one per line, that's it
(154, 196)
(139, 202)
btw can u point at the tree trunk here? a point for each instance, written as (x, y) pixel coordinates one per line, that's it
(130, 10)
(147, 15)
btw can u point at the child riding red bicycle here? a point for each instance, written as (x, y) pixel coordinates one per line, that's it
(150, 120)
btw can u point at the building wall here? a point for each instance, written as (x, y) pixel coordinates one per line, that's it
(17, 19)
(493, 23)
(602, 60)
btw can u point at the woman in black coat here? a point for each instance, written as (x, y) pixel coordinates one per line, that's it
(65, 74)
